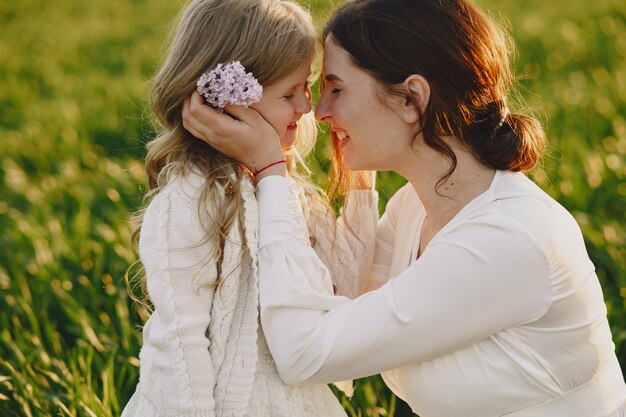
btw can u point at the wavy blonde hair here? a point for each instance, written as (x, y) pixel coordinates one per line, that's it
(271, 39)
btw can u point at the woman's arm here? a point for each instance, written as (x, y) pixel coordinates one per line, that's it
(466, 286)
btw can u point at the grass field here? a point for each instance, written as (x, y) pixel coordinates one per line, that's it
(73, 124)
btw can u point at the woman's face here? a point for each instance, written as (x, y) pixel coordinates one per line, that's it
(284, 103)
(371, 135)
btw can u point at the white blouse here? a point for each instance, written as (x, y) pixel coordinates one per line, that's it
(501, 315)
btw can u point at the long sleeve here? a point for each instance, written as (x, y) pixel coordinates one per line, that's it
(175, 362)
(433, 308)
(384, 242)
(346, 244)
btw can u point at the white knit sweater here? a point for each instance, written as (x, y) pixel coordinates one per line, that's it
(199, 349)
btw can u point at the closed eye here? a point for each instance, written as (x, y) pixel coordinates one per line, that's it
(306, 90)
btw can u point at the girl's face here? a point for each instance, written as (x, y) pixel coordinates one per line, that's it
(284, 103)
(369, 132)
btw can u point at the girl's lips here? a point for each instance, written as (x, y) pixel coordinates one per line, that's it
(292, 125)
(343, 142)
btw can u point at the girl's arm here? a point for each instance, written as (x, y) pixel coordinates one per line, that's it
(435, 307)
(346, 244)
(180, 279)
(345, 248)
(379, 273)
(358, 262)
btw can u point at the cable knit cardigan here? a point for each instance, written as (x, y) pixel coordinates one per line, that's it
(199, 345)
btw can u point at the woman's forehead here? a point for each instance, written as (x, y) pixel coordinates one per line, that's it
(336, 59)
(338, 66)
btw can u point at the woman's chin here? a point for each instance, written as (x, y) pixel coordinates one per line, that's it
(350, 163)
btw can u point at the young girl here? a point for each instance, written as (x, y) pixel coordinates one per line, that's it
(203, 352)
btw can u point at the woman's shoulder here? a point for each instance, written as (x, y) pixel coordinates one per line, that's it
(522, 204)
(519, 196)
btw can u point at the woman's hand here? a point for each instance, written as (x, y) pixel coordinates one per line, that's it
(246, 136)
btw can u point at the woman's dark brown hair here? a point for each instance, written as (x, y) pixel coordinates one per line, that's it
(462, 54)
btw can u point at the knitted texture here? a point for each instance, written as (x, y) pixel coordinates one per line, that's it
(200, 345)
(346, 245)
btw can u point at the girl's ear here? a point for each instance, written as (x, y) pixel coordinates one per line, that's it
(417, 91)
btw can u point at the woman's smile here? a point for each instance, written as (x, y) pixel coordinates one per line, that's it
(343, 138)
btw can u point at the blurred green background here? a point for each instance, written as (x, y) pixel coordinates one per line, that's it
(73, 124)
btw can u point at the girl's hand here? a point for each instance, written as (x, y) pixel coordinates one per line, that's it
(246, 136)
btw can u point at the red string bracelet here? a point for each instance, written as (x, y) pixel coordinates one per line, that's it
(282, 161)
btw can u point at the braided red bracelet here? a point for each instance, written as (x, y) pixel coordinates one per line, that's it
(282, 161)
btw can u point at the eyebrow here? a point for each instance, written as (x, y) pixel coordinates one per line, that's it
(332, 77)
(297, 84)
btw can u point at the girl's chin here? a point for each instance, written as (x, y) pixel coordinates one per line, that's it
(287, 141)
(286, 146)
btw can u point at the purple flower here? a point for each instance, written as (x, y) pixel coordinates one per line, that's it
(229, 84)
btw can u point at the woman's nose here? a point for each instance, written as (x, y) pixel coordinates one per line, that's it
(322, 110)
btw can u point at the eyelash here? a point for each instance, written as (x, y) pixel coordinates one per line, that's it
(335, 91)
(289, 96)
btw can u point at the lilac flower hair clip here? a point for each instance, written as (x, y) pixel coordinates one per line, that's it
(229, 84)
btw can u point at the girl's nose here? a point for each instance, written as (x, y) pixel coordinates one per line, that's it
(304, 104)
(304, 107)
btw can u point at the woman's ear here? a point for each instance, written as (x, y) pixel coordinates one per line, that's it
(417, 92)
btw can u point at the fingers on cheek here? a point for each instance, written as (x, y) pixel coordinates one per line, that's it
(191, 121)
(197, 134)
(187, 119)
(195, 108)
(188, 127)
(192, 110)
(189, 124)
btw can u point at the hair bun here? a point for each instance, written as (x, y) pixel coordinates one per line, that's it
(504, 140)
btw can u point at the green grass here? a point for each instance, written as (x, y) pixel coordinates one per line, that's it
(73, 124)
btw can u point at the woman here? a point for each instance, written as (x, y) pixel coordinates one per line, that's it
(483, 300)
(203, 353)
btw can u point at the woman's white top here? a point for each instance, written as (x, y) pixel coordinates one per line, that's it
(203, 354)
(501, 315)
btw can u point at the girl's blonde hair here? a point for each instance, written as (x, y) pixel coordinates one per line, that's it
(271, 38)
